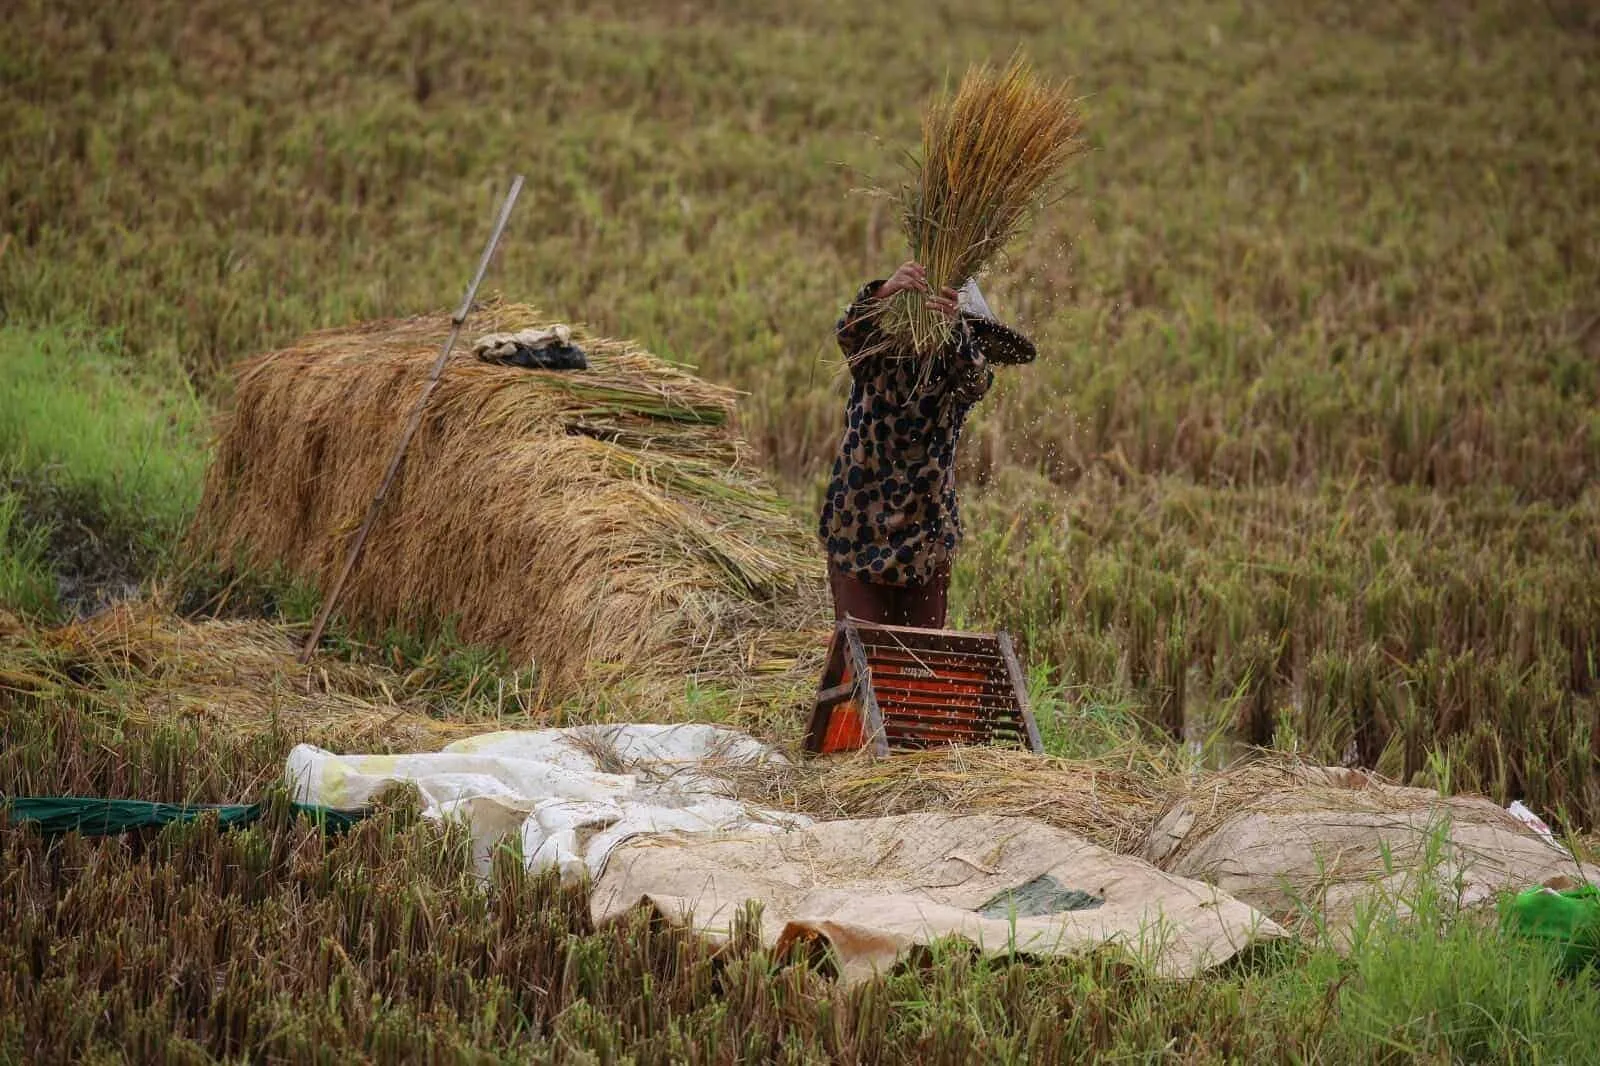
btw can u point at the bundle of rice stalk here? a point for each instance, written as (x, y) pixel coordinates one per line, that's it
(1110, 801)
(597, 523)
(992, 157)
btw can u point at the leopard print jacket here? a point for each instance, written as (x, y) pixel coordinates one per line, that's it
(890, 513)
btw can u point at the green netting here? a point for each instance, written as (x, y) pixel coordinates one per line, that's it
(96, 816)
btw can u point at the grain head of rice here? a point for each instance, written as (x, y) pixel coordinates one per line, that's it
(993, 155)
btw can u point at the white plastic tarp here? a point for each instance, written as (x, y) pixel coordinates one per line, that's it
(571, 794)
(648, 813)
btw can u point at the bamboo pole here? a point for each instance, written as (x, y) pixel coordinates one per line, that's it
(332, 599)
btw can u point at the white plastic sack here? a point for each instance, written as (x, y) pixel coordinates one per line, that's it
(550, 787)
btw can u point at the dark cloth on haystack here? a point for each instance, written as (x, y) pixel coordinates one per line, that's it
(890, 516)
(533, 349)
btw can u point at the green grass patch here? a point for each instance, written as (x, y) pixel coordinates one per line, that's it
(100, 468)
(26, 583)
(1424, 980)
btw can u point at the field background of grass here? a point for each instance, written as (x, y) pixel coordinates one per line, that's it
(1308, 457)
(1311, 445)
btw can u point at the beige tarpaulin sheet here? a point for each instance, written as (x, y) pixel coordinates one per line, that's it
(873, 888)
(1322, 841)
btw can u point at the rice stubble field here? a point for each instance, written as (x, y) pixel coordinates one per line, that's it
(1307, 461)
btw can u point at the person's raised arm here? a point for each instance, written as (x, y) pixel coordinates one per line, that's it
(967, 373)
(857, 329)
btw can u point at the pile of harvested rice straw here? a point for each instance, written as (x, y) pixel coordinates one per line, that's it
(1111, 801)
(599, 524)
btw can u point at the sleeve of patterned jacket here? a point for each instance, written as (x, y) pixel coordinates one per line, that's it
(968, 375)
(857, 328)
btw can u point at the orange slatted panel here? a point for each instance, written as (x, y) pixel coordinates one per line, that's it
(924, 688)
(845, 731)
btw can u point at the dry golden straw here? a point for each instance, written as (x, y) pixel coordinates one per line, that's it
(146, 665)
(992, 158)
(1111, 801)
(597, 522)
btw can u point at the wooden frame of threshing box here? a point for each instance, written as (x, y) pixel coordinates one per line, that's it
(898, 688)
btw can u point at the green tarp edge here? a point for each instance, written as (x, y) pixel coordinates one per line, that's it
(95, 816)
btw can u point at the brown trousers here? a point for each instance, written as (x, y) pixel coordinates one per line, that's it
(920, 606)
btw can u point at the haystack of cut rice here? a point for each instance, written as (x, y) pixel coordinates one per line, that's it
(597, 523)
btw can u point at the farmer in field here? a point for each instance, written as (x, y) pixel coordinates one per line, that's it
(890, 521)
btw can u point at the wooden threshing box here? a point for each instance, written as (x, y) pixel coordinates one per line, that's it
(897, 688)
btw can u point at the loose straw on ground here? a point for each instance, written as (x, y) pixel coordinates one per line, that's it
(146, 666)
(1111, 801)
